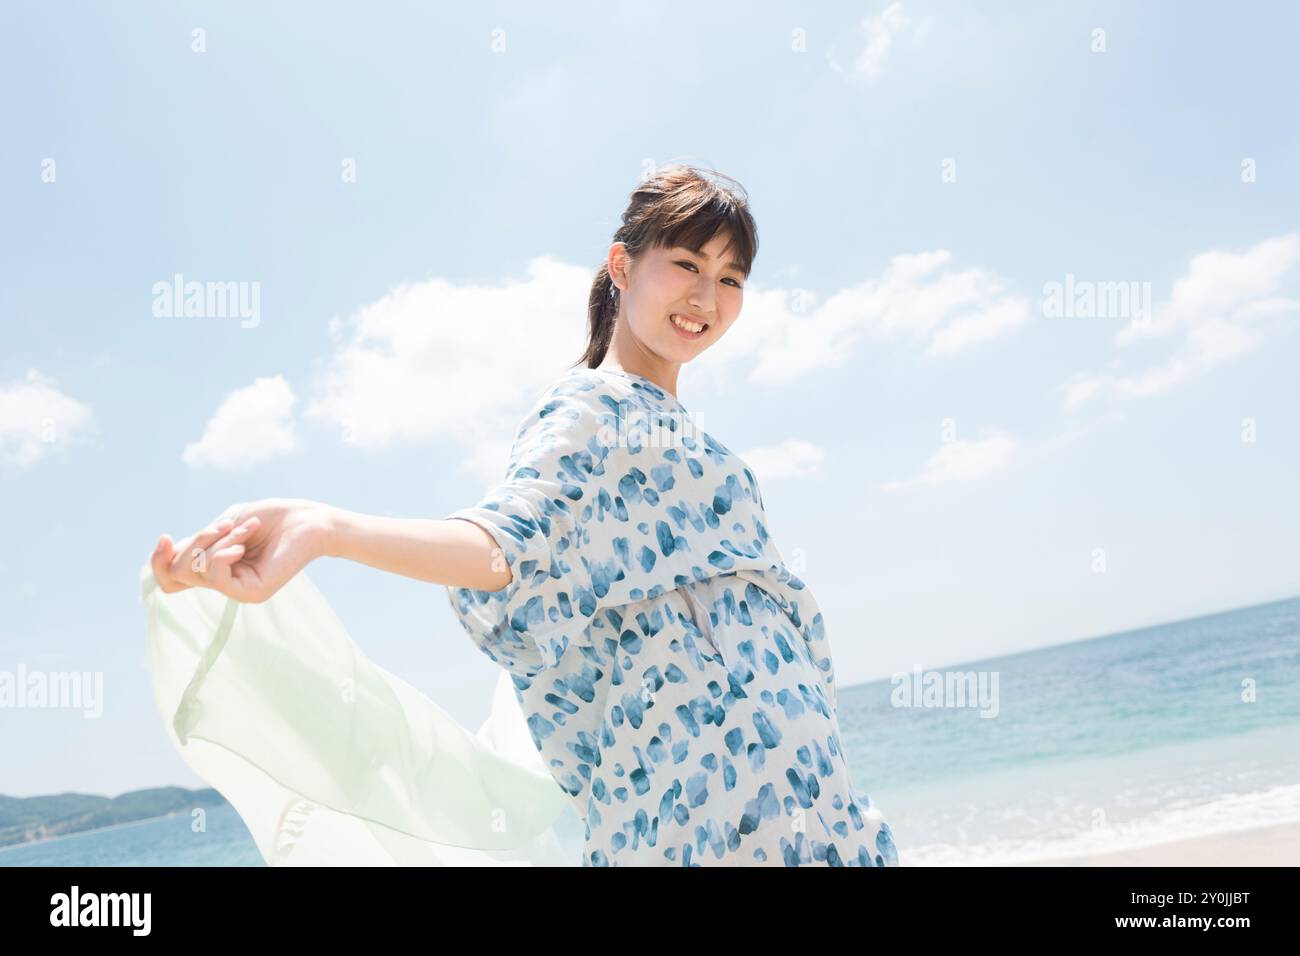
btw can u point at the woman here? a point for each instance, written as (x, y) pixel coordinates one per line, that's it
(675, 677)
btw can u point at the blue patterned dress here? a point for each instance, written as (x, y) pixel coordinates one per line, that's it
(675, 676)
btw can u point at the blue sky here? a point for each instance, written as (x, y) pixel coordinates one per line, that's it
(421, 196)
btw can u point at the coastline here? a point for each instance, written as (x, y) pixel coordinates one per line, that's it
(1276, 845)
(69, 834)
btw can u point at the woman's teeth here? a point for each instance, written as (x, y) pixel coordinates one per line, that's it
(685, 325)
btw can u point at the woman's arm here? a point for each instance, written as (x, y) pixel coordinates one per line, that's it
(254, 549)
(453, 551)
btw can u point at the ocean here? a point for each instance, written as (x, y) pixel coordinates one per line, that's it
(161, 841)
(1117, 742)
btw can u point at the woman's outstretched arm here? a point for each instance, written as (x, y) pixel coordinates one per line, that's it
(253, 550)
(453, 551)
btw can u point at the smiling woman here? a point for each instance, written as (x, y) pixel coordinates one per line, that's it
(673, 281)
(670, 680)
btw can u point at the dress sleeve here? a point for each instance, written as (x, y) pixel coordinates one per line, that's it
(557, 467)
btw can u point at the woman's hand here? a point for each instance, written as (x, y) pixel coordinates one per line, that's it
(249, 552)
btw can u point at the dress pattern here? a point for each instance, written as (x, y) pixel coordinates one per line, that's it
(676, 677)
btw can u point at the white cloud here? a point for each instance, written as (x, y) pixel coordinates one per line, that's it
(36, 418)
(1226, 305)
(435, 360)
(876, 36)
(919, 299)
(1219, 284)
(983, 324)
(879, 32)
(963, 460)
(459, 363)
(252, 425)
(792, 458)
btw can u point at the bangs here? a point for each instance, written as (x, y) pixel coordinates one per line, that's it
(696, 225)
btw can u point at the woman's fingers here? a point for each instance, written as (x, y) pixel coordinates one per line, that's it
(224, 531)
(199, 540)
(228, 556)
(239, 535)
(172, 573)
(192, 556)
(204, 559)
(215, 569)
(161, 563)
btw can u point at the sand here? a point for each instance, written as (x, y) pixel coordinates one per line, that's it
(1266, 846)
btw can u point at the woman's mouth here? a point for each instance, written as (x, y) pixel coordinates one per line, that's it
(686, 328)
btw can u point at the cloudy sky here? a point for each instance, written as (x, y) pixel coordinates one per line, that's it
(1017, 363)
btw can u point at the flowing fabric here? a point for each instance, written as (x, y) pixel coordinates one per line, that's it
(331, 760)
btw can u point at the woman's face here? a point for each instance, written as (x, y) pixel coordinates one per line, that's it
(703, 288)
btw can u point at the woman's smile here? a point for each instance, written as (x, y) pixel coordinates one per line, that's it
(687, 328)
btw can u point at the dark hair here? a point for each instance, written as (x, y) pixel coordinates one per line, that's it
(679, 205)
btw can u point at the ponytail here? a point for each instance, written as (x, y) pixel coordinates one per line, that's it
(602, 309)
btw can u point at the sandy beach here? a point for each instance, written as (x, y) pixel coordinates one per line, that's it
(1266, 846)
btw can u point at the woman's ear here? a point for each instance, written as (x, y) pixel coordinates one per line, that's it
(619, 265)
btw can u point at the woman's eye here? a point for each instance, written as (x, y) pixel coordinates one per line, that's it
(686, 262)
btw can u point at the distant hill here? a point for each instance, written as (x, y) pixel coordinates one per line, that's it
(29, 819)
